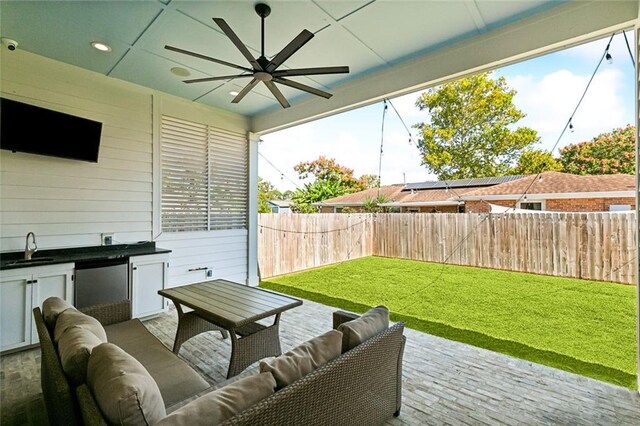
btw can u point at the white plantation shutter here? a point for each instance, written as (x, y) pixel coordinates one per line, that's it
(204, 177)
(229, 186)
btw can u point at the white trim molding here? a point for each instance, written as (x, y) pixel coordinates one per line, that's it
(551, 196)
(423, 204)
(253, 279)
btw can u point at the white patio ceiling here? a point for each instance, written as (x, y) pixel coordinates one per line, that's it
(391, 46)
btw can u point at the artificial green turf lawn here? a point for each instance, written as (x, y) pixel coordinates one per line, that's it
(582, 326)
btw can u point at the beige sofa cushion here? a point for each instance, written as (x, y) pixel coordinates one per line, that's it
(51, 308)
(224, 403)
(72, 318)
(360, 329)
(175, 379)
(74, 348)
(122, 388)
(303, 359)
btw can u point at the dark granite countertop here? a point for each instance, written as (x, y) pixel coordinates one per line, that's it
(13, 260)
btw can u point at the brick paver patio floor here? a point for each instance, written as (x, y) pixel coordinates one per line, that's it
(444, 382)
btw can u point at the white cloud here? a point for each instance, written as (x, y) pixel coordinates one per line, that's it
(406, 106)
(550, 100)
(593, 51)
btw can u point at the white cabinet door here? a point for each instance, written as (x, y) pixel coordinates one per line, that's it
(49, 281)
(148, 275)
(23, 289)
(15, 310)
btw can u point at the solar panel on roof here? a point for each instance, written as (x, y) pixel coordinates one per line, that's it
(460, 183)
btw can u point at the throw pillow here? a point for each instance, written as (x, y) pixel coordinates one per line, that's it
(224, 403)
(51, 308)
(360, 329)
(303, 359)
(122, 387)
(74, 348)
(72, 318)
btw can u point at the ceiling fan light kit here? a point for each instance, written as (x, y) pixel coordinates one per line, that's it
(262, 69)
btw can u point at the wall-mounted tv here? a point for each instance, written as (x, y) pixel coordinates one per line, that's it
(36, 130)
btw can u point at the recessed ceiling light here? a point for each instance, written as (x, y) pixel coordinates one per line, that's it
(233, 93)
(101, 46)
(180, 72)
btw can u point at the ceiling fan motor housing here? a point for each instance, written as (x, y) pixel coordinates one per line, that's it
(263, 10)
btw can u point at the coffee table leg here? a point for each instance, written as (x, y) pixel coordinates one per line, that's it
(251, 343)
(190, 325)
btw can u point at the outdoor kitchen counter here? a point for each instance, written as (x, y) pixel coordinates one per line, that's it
(14, 260)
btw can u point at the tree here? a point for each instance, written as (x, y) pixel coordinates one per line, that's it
(331, 180)
(606, 154)
(469, 134)
(372, 205)
(533, 161)
(266, 192)
(370, 181)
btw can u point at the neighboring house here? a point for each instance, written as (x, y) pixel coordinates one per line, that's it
(550, 191)
(422, 197)
(558, 192)
(280, 206)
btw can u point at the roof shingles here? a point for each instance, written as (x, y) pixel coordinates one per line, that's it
(558, 183)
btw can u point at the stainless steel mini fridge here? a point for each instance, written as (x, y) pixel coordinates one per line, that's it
(101, 281)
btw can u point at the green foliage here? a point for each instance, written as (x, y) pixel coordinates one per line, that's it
(533, 161)
(331, 180)
(606, 154)
(266, 192)
(469, 134)
(348, 209)
(582, 326)
(370, 181)
(372, 205)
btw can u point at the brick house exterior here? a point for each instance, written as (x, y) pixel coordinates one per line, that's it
(549, 191)
(558, 192)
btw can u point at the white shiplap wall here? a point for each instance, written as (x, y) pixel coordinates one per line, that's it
(70, 203)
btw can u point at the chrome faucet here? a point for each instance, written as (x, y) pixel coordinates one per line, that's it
(28, 252)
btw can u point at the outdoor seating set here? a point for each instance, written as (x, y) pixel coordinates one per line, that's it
(100, 367)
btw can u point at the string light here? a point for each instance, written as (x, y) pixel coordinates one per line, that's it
(571, 126)
(608, 56)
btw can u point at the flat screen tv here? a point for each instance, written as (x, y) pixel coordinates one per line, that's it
(36, 130)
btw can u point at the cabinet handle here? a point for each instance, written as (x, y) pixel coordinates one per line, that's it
(32, 281)
(135, 268)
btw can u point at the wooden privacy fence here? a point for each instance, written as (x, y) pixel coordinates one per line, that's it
(295, 242)
(597, 246)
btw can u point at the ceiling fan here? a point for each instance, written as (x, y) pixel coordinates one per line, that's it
(263, 69)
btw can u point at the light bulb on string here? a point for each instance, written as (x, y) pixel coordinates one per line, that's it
(571, 126)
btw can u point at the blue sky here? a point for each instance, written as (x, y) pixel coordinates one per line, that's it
(548, 87)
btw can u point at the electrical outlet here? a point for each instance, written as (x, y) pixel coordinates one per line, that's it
(107, 239)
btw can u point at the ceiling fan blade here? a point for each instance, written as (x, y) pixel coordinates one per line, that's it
(238, 43)
(289, 50)
(311, 71)
(277, 93)
(246, 90)
(207, 58)
(302, 87)
(222, 77)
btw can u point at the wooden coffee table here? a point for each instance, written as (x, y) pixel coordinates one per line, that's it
(227, 306)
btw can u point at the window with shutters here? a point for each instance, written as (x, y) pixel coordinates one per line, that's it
(204, 177)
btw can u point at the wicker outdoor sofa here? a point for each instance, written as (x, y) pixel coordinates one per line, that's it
(362, 386)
